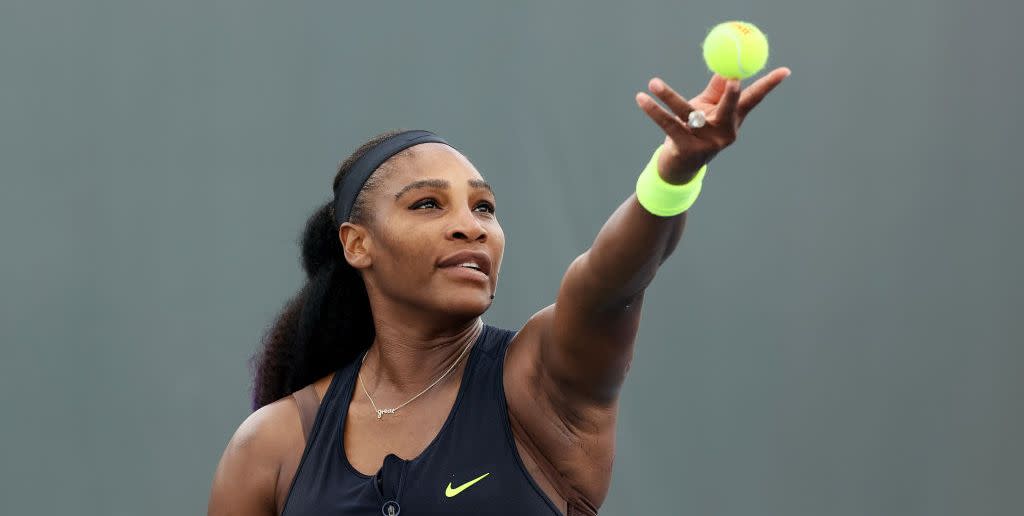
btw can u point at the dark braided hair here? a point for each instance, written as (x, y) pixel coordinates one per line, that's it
(328, 322)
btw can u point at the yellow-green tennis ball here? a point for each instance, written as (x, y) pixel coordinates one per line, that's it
(735, 49)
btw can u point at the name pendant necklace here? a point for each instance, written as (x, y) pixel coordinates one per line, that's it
(381, 412)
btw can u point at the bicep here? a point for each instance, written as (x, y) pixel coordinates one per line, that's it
(246, 477)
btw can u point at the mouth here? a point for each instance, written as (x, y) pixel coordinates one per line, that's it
(473, 263)
(467, 271)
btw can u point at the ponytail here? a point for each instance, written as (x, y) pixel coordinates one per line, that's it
(328, 323)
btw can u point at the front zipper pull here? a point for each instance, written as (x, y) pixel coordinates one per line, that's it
(391, 508)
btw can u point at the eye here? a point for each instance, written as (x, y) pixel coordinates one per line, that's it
(422, 203)
(431, 203)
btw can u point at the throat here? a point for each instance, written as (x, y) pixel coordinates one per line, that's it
(395, 371)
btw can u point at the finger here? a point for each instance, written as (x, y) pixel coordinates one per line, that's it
(672, 126)
(726, 111)
(713, 92)
(756, 92)
(673, 100)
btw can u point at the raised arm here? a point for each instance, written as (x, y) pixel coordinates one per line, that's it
(587, 336)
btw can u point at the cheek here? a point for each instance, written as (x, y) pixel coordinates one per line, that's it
(404, 260)
(497, 234)
(497, 247)
(402, 250)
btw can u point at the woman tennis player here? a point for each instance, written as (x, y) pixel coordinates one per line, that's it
(380, 390)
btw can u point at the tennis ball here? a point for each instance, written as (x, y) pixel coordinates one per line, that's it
(735, 49)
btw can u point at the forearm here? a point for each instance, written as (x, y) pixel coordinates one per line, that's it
(626, 254)
(633, 243)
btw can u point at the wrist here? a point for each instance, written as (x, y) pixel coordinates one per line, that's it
(678, 169)
(662, 198)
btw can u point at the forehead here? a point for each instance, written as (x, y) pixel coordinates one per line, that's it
(430, 161)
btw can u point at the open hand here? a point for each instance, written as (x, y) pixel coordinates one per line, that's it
(686, 148)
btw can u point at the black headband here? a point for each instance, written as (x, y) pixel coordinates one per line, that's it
(348, 189)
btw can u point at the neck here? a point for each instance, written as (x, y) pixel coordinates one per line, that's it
(404, 359)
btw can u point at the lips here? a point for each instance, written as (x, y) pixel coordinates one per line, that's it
(477, 258)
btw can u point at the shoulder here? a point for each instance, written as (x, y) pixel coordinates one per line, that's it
(247, 476)
(266, 432)
(263, 439)
(527, 340)
(275, 428)
(250, 473)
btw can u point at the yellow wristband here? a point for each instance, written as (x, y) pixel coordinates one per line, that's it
(662, 198)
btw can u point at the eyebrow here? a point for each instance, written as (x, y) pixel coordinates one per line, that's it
(441, 184)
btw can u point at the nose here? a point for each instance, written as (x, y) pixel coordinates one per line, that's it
(466, 226)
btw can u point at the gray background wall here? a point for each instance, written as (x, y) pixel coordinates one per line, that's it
(839, 332)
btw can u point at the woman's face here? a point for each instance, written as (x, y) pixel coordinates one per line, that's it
(431, 206)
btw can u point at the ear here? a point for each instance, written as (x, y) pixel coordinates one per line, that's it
(355, 240)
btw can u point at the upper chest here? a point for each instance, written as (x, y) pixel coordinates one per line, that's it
(462, 435)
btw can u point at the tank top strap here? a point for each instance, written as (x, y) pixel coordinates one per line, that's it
(308, 403)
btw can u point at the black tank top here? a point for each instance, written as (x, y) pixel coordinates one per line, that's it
(471, 466)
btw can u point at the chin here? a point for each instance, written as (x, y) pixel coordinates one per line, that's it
(463, 304)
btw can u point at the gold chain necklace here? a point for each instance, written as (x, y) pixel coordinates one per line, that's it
(381, 412)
